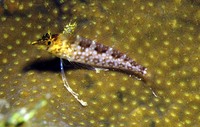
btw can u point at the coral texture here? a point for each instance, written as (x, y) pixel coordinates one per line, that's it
(163, 36)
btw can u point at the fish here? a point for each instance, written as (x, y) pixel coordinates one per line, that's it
(78, 49)
(75, 48)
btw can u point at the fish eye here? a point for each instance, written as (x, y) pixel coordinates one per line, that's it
(49, 42)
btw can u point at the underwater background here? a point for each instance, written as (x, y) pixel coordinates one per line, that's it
(162, 35)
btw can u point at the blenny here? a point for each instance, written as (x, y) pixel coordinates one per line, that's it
(75, 48)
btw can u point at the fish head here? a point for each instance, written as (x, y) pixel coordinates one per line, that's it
(46, 41)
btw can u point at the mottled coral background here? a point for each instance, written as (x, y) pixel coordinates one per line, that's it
(162, 35)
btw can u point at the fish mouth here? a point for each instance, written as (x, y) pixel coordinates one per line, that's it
(34, 42)
(40, 47)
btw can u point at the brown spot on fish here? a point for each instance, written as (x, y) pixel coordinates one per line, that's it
(100, 48)
(121, 65)
(55, 36)
(77, 57)
(85, 43)
(143, 70)
(110, 63)
(96, 60)
(116, 54)
(133, 63)
(127, 59)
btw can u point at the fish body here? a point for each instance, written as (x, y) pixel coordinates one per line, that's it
(75, 48)
(82, 50)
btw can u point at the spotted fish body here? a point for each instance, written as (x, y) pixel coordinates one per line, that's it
(89, 52)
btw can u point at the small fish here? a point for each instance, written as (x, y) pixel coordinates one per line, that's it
(82, 50)
(75, 48)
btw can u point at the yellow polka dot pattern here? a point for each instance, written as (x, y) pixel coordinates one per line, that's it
(163, 36)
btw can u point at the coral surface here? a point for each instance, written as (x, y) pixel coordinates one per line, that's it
(164, 36)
